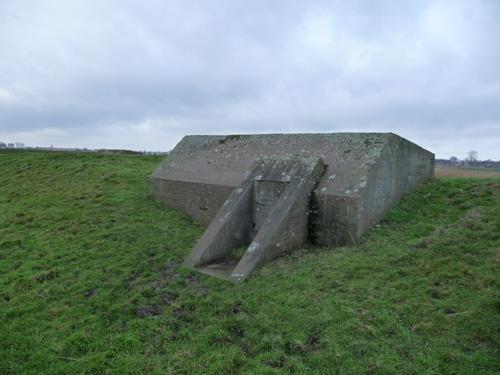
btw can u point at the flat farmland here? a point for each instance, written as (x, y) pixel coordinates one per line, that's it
(467, 172)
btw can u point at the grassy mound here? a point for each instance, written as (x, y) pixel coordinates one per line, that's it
(90, 282)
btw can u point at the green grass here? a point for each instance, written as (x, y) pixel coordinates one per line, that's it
(91, 282)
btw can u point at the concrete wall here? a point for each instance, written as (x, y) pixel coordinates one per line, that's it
(402, 166)
(199, 200)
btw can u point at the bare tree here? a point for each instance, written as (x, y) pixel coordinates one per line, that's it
(471, 156)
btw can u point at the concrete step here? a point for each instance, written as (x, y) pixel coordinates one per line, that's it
(221, 269)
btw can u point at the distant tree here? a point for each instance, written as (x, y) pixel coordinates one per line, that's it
(454, 160)
(472, 156)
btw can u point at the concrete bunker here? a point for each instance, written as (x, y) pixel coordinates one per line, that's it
(270, 194)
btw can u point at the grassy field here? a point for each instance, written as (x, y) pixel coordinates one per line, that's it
(466, 172)
(91, 283)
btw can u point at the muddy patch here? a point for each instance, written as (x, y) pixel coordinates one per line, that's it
(148, 310)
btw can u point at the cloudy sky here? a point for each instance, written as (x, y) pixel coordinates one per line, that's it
(141, 74)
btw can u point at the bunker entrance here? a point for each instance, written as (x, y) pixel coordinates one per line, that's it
(264, 217)
(266, 194)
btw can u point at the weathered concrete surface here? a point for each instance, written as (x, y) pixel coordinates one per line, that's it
(269, 212)
(366, 174)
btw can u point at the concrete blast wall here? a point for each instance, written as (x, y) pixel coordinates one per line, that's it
(365, 174)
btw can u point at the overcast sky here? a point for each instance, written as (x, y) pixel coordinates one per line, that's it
(141, 74)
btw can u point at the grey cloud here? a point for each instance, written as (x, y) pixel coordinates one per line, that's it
(78, 71)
